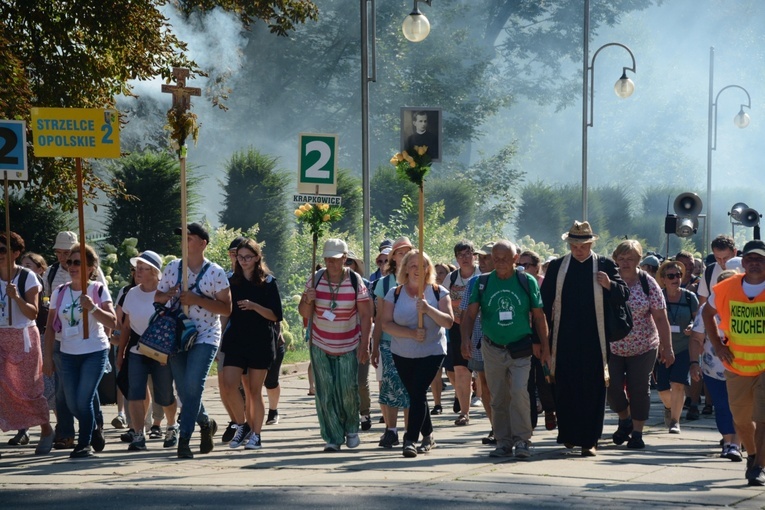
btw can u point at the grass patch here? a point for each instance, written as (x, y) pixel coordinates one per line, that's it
(296, 356)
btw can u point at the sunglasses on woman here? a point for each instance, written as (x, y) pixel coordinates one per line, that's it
(75, 262)
(672, 276)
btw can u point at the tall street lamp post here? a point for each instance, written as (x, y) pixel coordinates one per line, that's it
(741, 120)
(624, 88)
(367, 49)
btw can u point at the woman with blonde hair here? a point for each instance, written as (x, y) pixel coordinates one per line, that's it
(417, 351)
(633, 358)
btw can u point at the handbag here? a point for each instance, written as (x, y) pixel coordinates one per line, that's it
(170, 331)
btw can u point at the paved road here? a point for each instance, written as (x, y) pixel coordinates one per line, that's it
(292, 471)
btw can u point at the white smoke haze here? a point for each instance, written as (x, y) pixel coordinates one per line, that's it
(656, 137)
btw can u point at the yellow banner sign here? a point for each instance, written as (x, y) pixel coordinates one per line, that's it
(76, 133)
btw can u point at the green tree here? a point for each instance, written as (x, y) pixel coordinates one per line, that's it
(37, 223)
(82, 53)
(349, 188)
(254, 192)
(150, 207)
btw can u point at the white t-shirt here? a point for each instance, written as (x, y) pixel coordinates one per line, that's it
(213, 281)
(62, 276)
(20, 321)
(139, 307)
(703, 290)
(70, 315)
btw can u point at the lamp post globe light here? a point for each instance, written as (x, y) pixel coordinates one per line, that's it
(741, 120)
(624, 87)
(416, 26)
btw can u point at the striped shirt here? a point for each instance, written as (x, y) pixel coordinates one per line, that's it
(341, 334)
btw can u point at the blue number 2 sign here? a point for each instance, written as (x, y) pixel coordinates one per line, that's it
(13, 149)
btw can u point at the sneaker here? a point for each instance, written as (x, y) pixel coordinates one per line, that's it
(389, 439)
(366, 422)
(45, 444)
(184, 450)
(674, 428)
(81, 452)
(63, 443)
(171, 436)
(636, 443)
(20, 439)
(253, 443)
(228, 435)
(155, 432)
(241, 437)
(522, 450)
(490, 439)
(758, 476)
(501, 451)
(207, 432)
(138, 444)
(667, 417)
(331, 447)
(97, 441)
(410, 451)
(127, 437)
(428, 443)
(119, 422)
(352, 440)
(732, 452)
(622, 434)
(475, 400)
(273, 417)
(693, 413)
(437, 409)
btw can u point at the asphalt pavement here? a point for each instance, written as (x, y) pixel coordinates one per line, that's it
(293, 471)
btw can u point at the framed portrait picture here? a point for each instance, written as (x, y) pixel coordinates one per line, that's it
(421, 126)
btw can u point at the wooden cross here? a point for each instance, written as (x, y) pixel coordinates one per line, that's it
(181, 93)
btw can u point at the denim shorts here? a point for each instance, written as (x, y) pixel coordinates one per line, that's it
(139, 369)
(676, 373)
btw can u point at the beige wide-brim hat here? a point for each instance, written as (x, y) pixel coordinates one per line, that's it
(579, 233)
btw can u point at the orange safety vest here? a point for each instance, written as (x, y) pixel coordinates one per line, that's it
(743, 321)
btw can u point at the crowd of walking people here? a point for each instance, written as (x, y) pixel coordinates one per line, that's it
(527, 337)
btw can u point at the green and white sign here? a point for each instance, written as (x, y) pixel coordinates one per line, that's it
(317, 164)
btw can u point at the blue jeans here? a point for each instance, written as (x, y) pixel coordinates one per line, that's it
(64, 417)
(190, 371)
(81, 374)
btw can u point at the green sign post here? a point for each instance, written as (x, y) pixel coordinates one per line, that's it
(317, 164)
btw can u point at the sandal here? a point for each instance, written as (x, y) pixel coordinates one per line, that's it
(462, 420)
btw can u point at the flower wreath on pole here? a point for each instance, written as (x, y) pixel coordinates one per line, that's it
(318, 218)
(415, 167)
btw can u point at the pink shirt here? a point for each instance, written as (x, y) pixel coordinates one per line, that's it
(339, 334)
(644, 335)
